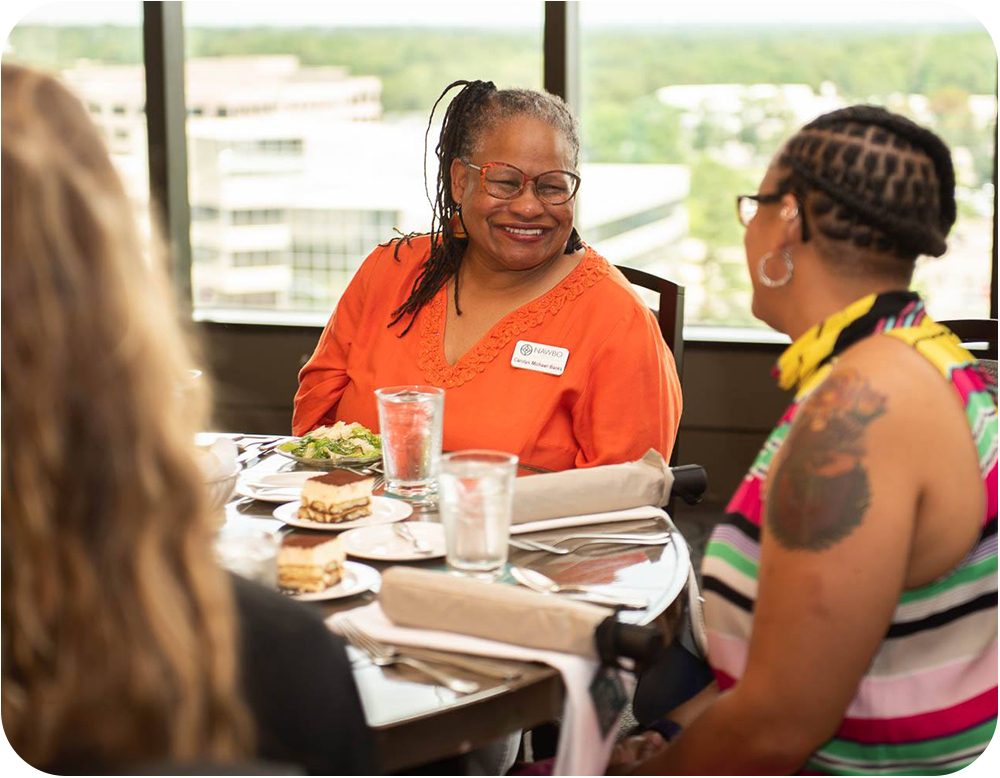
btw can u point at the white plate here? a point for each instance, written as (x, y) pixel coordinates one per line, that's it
(383, 543)
(384, 511)
(357, 578)
(290, 486)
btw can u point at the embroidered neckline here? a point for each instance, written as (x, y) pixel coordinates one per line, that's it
(819, 344)
(591, 269)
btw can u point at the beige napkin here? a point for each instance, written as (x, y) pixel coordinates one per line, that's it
(589, 490)
(582, 750)
(582, 520)
(425, 599)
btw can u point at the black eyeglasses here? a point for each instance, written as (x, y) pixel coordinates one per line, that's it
(747, 206)
(505, 182)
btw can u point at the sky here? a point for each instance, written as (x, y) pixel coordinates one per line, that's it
(512, 12)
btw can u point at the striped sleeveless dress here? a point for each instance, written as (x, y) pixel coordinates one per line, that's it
(928, 703)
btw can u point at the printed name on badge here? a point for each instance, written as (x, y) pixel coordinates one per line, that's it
(539, 357)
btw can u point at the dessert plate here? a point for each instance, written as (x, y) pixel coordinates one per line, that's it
(357, 578)
(382, 542)
(276, 487)
(385, 510)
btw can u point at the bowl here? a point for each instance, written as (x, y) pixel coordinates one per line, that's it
(220, 490)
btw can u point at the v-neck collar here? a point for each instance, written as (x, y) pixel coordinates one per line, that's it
(591, 268)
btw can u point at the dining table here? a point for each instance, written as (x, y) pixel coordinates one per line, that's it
(416, 721)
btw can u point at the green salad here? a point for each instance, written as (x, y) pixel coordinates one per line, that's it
(342, 440)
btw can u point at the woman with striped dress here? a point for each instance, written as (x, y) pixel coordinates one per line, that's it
(851, 594)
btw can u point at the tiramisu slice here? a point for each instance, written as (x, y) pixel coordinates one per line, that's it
(339, 495)
(309, 563)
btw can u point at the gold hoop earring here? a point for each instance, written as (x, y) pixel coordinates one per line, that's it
(774, 283)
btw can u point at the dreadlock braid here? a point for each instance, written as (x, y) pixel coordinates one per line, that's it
(477, 108)
(874, 180)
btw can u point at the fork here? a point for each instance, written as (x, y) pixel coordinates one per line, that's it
(536, 545)
(406, 534)
(590, 540)
(382, 655)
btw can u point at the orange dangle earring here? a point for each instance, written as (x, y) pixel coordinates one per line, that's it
(458, 226)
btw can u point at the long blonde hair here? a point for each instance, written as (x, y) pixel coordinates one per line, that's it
(119, 633)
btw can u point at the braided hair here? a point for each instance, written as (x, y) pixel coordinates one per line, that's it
(876, 183)
(476, 109)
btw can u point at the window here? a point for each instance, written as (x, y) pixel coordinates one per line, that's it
(306, 124)
(704, 94)
(203, 213)
(97, 50)
(257, 216)
(311, 142)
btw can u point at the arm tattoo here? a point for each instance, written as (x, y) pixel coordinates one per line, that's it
(820, 492)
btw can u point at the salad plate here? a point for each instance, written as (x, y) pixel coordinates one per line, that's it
(339, 445)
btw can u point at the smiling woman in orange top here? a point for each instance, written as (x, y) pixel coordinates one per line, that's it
(542, 346)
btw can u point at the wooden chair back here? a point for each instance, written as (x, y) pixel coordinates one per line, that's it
(669, 311)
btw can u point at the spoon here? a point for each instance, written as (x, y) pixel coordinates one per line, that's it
(542, 583)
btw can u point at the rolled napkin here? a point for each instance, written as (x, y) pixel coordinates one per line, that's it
(425, 599)
(602, 489)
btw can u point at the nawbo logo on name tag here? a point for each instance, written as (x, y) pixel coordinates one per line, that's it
(539, 357)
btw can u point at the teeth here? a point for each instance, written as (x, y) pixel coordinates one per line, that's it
(517, 231)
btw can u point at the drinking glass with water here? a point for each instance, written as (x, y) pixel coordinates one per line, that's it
(411, 421)
(476, 494)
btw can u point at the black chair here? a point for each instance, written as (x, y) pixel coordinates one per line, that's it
(976, 331)
(669, 311)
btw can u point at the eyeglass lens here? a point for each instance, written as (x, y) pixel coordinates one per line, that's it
(747, 209)
(505, 182)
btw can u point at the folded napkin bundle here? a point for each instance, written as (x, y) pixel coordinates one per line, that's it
(645, 482)
(425, 599)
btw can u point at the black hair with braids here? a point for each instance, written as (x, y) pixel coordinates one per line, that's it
(875, 182)
(478, 107)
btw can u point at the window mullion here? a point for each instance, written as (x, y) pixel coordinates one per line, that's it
(163, 41)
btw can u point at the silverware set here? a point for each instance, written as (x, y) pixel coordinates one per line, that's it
(256, 449)
(383, 655)
(590, 538)
(540, 582)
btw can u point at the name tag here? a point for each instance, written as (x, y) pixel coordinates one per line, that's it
(538, 356)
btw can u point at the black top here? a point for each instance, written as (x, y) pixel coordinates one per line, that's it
(299, 686)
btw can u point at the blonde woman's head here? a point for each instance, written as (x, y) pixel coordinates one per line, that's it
(118, 629)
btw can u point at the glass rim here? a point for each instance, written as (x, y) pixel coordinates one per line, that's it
(480, 455)
(384, 391)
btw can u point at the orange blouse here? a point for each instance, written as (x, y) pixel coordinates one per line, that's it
(618, 396)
